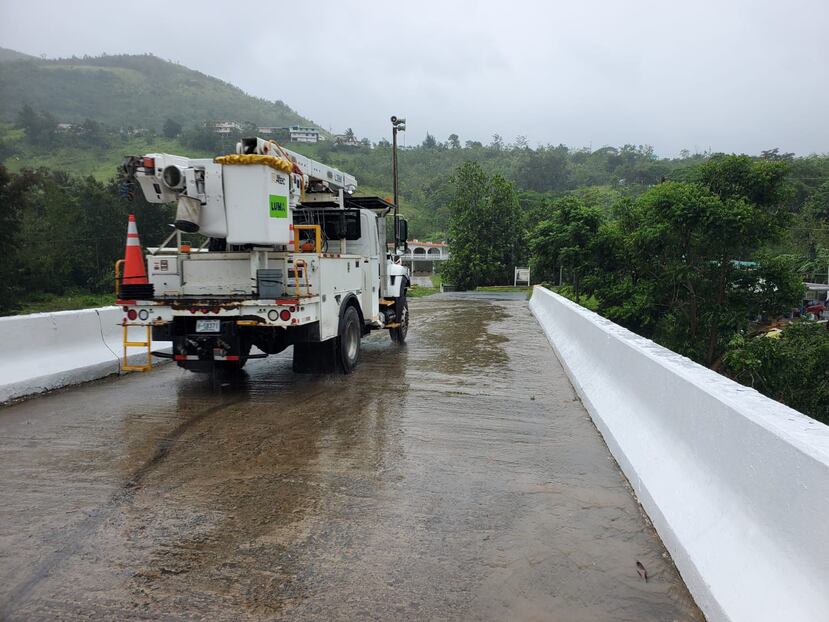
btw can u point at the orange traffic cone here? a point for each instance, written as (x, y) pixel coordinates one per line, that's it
(134, 283)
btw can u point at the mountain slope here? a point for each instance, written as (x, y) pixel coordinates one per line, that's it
(128, 91)
(8, 55)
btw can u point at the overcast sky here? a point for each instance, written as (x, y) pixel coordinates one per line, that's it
(732, 75)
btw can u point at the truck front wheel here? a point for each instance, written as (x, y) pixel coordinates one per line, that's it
(348, 340)
(401, 310)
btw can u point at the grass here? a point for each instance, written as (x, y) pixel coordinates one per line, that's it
(503, 288)
(419, 292)
(99, 162)
(43, 303)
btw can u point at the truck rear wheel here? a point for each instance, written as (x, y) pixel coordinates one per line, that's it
(348, 340)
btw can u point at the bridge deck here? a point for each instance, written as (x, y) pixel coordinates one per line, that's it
(459, 479)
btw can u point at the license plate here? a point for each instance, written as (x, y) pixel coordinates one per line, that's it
(208, 326)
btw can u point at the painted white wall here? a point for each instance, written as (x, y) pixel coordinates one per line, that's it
(736, 484)
(45, 351)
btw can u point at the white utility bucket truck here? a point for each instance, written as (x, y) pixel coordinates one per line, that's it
(290, 258)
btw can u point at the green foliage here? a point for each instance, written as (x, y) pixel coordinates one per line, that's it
(670, 267)
(171, 128)
(484, 229)
(429, 142)
(818, 204)
(793, 368)
(759, 182)
(76, 153)
(65, 233)
(71, 299)
(39, 127)
(12, 204)
(565, 240)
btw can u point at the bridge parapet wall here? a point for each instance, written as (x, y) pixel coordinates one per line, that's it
(45, 351)
(736, 484)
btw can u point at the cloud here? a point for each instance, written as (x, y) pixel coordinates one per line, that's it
(738, 76)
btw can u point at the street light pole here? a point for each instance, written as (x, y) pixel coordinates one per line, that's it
(397, 125)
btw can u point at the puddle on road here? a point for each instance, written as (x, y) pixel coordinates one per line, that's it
(454, 338)
(454, 478)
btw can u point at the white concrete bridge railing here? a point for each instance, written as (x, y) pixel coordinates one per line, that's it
(736, 484)
(46, 351)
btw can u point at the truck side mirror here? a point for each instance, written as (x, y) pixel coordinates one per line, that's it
(402, 231)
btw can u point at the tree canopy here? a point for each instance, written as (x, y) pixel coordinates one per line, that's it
(484, 228)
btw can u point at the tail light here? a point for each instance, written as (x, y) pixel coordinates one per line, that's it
(285, 315)
(132, 314)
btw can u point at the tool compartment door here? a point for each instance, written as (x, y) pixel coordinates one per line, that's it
(339, 277)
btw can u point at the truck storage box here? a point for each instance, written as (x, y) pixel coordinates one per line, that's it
(256, 197)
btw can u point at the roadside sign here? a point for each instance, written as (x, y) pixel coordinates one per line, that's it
(522, 275)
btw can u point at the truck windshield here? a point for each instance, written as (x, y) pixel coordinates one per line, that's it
(336, 224)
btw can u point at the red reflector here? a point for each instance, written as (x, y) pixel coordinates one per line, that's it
(181, 357)
(132, 314)
(231, 357)
(149, 164)
(285, 315)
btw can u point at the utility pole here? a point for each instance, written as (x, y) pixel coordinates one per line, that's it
(398, 124)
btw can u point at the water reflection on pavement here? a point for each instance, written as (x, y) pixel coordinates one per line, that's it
(456, 478)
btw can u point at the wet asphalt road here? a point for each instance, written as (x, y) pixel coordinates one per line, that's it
(457, 479)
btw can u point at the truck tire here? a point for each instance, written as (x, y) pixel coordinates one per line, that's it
(348, 340)
(401, 310)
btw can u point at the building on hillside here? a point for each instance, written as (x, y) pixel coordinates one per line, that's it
(224, 127)
(301, 134)
(66, 127)
(348, 141)
(423, 257)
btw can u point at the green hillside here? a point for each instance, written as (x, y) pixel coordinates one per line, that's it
(8, 55)
(123, 91)
(101, 162)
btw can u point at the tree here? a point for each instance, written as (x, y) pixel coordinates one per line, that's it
(774, 154)
(203, 139)
(682, 263)
(818, 204)
(543, 170)
(792, 368)
(39, 127)
(171, 128)
(484, 228)
(429, 142)
(454, 141)
(567, 240)
(12, 204)
(93, 133)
